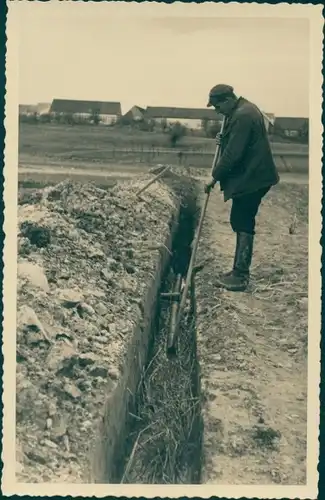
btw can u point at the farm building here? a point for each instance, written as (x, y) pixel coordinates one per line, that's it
(189, 117)
(192, 117)
(135, 114)
(107, 112)
(43, 108)
(291, 127)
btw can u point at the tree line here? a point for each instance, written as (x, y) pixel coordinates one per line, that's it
(175, 131)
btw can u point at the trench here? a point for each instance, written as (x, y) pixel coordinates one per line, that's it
(164, 441)
(151, 430)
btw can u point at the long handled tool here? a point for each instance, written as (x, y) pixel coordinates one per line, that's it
(171, 347)
(160, 174)
(174, 308)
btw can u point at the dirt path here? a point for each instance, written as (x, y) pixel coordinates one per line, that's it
(252, 347)
(120, 171)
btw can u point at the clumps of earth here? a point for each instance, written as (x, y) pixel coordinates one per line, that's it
(86, 257)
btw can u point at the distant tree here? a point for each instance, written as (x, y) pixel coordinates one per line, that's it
(277, 130)
(304, 131)
(205, 125)
(143, 126)
(56, 118)
(67, 119)
(151, 125)
(95, 118)
(164, 124)
(123, 121)
(176, 132)
(81, 120)
(45, 118)
(32, 119)
(212, 128)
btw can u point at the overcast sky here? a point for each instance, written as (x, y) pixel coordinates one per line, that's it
(97, 52)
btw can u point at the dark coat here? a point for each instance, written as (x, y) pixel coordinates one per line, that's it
(246, 163)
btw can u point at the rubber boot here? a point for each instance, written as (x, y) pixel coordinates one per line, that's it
(230, 273)
(238, 279)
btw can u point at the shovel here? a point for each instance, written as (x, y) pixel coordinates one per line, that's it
(171, 346)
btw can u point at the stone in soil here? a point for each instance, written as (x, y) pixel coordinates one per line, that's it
(101, 309)
(85, 309)
(33, 273)
(29, 326)
(72, 391)
(62, 357)
(70, 298)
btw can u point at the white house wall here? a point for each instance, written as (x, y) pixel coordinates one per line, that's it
(187, 122)
(291, 133)
(197, 123)
(106, 119)
(85, 116)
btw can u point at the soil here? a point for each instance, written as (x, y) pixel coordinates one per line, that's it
(166, 436)
(86, 259)
(33, 175)
(84, 263)
(252, 346)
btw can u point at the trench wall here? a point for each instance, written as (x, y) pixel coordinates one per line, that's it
(166, 437)
(108, 452)
(77, 374)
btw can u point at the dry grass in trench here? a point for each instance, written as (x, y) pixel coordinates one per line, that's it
(168, 430)
(167, 434)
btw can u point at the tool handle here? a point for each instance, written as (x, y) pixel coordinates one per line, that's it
(216, 154)
(194, 248)
(152, 180)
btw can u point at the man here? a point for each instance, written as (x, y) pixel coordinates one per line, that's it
(245, 170)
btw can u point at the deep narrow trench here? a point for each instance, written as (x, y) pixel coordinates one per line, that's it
(165, 439)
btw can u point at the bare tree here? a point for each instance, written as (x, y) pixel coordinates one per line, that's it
(95, 118)
(176, 132)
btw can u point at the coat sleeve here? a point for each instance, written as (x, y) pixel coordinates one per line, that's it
(237, 143)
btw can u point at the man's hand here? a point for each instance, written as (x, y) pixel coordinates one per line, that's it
(218, 139)
(210, 185)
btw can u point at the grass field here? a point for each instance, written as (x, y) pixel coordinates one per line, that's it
(51, 138)
(89, 143)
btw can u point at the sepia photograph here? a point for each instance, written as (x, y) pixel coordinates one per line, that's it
(163, 197)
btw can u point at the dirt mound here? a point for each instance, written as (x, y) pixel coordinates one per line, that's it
(85, 258)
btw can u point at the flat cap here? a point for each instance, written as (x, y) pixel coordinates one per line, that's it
(219, 92)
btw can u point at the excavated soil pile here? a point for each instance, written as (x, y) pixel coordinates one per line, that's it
(87, 258)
